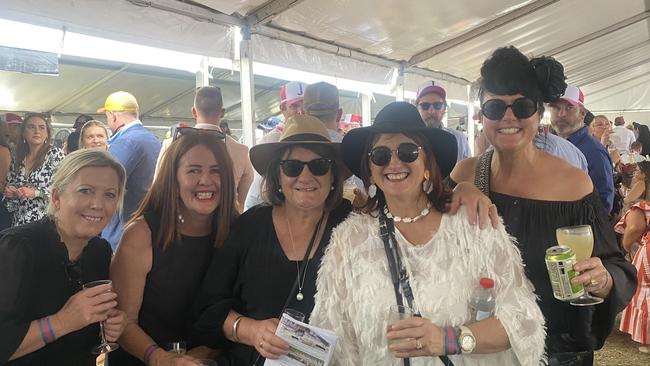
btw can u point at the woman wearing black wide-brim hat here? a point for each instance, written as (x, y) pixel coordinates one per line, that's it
(408, 250)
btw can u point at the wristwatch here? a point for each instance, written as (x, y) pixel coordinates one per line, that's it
(466, 340)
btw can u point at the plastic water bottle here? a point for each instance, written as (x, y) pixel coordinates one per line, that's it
(482, 301)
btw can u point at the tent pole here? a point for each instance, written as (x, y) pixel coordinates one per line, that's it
(366, 111)
(400, 83)
(471, 127)
(203, 73)
(247, 87)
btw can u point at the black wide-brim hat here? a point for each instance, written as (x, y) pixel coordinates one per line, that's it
(400, 117)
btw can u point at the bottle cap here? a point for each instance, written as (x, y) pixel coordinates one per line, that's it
(487, 282)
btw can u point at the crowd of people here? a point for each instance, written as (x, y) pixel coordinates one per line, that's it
(202, 243)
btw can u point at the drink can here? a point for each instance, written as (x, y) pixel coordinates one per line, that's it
(559, 262)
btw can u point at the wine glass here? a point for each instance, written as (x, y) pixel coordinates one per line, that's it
(104, 347)
(581, 240)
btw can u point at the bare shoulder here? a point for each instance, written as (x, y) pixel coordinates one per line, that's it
(464, 170)
(573, 183)
(136, 237)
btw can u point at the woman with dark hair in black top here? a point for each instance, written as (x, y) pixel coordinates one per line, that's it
(167, 247)
(537, 193)
(644, 138)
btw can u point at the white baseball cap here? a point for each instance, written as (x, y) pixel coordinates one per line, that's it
(292, 92)
(574, 95)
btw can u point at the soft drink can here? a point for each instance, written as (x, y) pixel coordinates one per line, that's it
(559, 262)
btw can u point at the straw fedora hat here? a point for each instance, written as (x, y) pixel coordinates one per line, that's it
(400, 117)
(298, 130)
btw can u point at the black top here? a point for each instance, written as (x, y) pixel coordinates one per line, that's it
(533, 224)
(34, 283)
(252, 275)
(171, 286)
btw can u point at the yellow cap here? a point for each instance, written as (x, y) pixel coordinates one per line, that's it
(120, 101)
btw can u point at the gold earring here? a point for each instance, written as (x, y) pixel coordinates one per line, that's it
(426, 175)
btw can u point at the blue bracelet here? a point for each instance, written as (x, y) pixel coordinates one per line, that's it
(451, 341)
(41, 328)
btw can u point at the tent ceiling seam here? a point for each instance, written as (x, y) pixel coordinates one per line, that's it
(479, 31)
(268, 11)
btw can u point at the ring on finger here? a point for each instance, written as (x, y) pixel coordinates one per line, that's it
(492, 205)
(418, 344)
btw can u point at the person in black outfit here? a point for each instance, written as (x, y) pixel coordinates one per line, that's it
(167, 247)
(644, 138)
(270, 261)
(45, 316)
(522, 181)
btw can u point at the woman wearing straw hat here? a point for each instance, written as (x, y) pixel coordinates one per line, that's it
(270, 261)
(408, 250)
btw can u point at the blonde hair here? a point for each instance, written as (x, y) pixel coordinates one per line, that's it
(91, 123)
(69, 168)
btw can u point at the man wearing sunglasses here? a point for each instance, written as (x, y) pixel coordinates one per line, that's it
(208, 112)
(432, 104)
(567, 119)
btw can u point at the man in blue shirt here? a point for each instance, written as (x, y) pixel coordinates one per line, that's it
(431, 101)
(136, 149)
(567, 119)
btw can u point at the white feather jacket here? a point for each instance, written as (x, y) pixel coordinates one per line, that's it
(354, 290)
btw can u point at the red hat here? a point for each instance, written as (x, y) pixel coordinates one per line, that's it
(574, 95)
(13, 118)
(292, 92)
(431, 86)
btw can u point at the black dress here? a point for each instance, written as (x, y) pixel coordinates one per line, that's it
(36, 280)
(533, 223)
(170, 290)
(252, 275)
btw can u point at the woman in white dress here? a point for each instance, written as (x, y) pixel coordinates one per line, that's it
(444, 256)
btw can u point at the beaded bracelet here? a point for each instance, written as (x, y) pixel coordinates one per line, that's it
(148, 352)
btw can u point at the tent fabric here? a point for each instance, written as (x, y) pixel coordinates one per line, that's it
(603, 44)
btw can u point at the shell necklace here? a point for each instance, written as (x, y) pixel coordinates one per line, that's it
(408, 220)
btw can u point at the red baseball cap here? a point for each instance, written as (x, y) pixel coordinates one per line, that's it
(13, 118)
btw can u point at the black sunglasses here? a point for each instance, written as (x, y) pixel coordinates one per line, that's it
(317, 167)
(522, 108)
(436, 105)
(73, 271)
(183, 131)
(407, 152)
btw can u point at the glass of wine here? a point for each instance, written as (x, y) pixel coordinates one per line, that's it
(581, 240)
(104, 347)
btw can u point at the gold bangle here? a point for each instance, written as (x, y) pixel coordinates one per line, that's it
(235, 326)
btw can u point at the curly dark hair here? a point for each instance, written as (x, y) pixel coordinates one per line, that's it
(508, 71)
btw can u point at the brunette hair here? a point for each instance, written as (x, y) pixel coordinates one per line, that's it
(163, 199)
(439, 194)
(271, 184)
(22, 148)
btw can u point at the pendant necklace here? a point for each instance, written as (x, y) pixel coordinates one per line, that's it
(299, 295)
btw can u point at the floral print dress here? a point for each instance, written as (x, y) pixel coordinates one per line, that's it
(25, 210)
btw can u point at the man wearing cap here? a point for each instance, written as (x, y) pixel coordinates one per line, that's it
(621, 137)
(291, 103)
(431, 101)
(136, 149)
(208, 112)
(13, 128)
(567, 119)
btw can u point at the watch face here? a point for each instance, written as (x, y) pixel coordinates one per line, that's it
(467, 342)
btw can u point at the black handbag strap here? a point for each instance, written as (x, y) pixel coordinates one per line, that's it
(398, 272)
(303, 264)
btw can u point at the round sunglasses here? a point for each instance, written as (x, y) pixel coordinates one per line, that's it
(522, 108)
(406, 152)
(317, 167)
